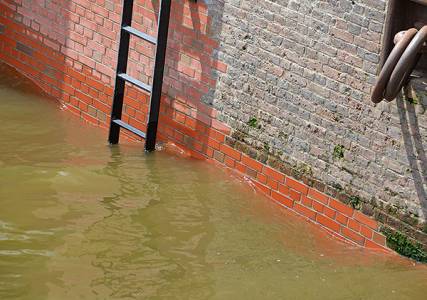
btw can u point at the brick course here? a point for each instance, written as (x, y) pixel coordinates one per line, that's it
(303, 69)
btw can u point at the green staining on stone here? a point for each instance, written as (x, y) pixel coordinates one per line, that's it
(337, 186)
(400, 243)
(355, 202)
(302, 170)
(415, 94)
(347, 91)
(392, 210)
(283, 136)
(412, 100)
(408, 218)
(390, 192)
(253, 122)
(338, 152)
(239, 135)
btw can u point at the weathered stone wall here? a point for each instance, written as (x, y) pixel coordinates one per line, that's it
(291, 79)
(297, 90)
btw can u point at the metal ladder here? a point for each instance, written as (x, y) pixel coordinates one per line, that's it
(121, 77)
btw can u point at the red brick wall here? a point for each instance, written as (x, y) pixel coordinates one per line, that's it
(69, 49)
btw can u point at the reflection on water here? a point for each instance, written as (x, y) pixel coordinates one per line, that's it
(82, 220)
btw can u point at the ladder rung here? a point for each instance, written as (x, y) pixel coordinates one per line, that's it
(136, 82)
(140, 34)
(130, 128)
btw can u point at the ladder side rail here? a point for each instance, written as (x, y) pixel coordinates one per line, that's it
(122, 61)
(158, 72)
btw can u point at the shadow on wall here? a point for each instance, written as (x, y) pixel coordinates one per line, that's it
(35, 50)
(52, 43)
(191, 73)
(70, 48)
(415, 150)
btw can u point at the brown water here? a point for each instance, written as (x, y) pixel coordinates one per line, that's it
(81, 220)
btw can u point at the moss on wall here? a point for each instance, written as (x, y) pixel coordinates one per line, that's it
(400, 243)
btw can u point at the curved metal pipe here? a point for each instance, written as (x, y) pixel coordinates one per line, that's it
(406, 65)
(403, 39)
(401, 62)
(423, 2)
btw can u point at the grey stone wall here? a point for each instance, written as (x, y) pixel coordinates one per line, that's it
(297, 92)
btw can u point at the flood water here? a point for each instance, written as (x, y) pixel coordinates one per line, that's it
(82, 220)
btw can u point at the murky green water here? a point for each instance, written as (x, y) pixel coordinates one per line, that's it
(81, 220)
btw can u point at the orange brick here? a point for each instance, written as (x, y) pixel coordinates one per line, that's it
(379, 239)
(190, 122)
(209, 152)
(272, 183)
(311, 214)
(353, 224)
(240, 167)
(83, 97)
(341, 218)
(366, 232)
(252, 163)
(220, 126)
(230, 152)
(318, 206)
(329, 223)
(196, 155)
(314, 194)
(329, 212)
(374, 246)
(229, 162)
(89, 118)
(214, 144)
(341, 207)
(353, 236)
(220, 66)
(283, 189)
(186, 70)
(296, 185)
(216, 135)
(95, 84)
(273, 174)
(262, 178)
(306, 201)
(296, 196)
(263, 188)
(69, 89)
(366, 220)
(282, 199)
(83, 106)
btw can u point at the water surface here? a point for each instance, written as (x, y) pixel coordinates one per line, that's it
(82, 220)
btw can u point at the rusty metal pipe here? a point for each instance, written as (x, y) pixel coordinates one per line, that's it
(406, 65)
(423, 2)
(403, 39)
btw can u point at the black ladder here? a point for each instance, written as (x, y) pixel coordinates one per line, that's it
(121, 77)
